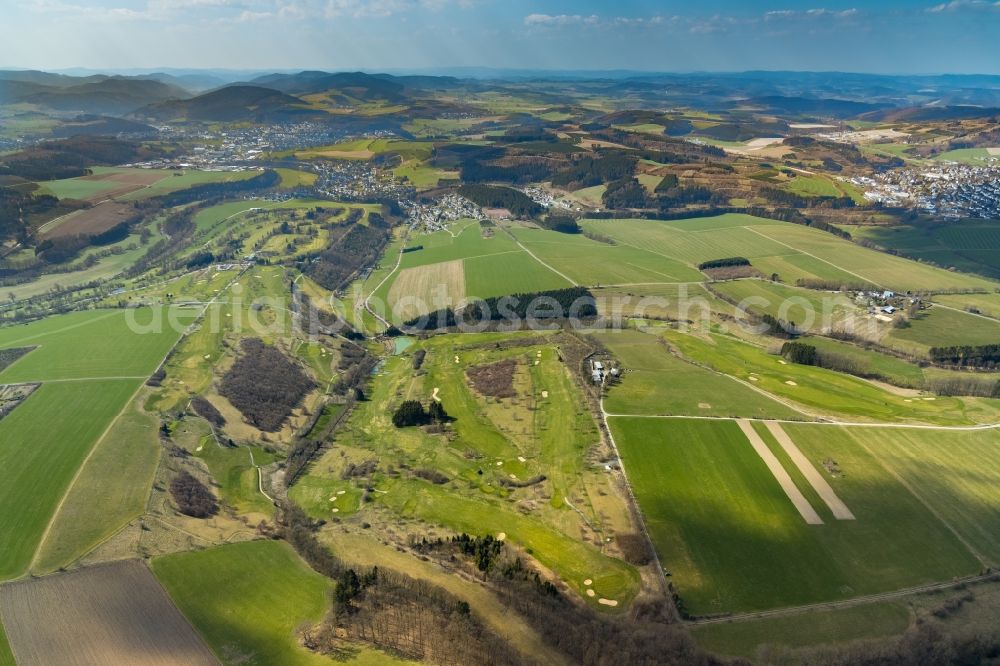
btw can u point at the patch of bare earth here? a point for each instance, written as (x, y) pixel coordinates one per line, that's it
(93, 220)
(495, 380)
(732, 272)
(112, 614)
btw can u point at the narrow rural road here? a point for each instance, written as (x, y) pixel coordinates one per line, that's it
(636, 509)
(809, 254)
(399, 261)
(846, 603)
(913, 426)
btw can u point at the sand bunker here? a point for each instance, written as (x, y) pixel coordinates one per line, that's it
(501, 536)
(791, 383)
(434, 396)
(588, 582)
(607, 602)
(545, 394)
(522, 459)
(591, 593)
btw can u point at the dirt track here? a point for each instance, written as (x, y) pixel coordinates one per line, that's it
(781, 476)
(815, 479)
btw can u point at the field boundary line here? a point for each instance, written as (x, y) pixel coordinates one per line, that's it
(906, 484)
(974, 314)
(634, 503)
(781, 475)
(756, 419)
(118, 378)
(81, 324)
(111, 424)
(399, 260)
(533, 256)
(778, 399)
(840, 603)
(810, 254)
(809, 471)
(76, 477)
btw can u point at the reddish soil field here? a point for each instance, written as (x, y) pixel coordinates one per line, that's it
(94, 220)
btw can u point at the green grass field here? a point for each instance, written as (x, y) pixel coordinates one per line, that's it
(248, 600)
(95, 343)
(733, 540)
(943, 327)
(493, 266)
(986, 304)
(545, 431)
(292, 178)
(591, 195)
(812, 186)
(972, 156)
(6, 656)
(966, 245)
(111, 490)
(741, 639)
(421, 176)
(170, 181)
(657, 382)
(231, 468)
(828, 392)
(810, 310)
(793, 251)
(517, 273)
(593, 263)
(90, 363)
(870, 362)
(45, 441)
(958, 473)
(76, 188)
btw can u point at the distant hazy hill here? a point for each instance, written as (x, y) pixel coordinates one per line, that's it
(101, 126)
(932, 113)
(233, 103)
(831, 108)
(349, 85)
(93, 94)
(49, 79)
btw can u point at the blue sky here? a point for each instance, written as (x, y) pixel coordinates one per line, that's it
(960, 36)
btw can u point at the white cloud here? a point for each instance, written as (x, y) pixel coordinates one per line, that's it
(817, 13)
(960, 5)
(560, 20)
(243, 10)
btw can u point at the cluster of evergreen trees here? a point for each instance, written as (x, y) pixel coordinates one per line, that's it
(981, 356)
(724, 263)
(495, 196)
(554, 304)
(412, 413)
